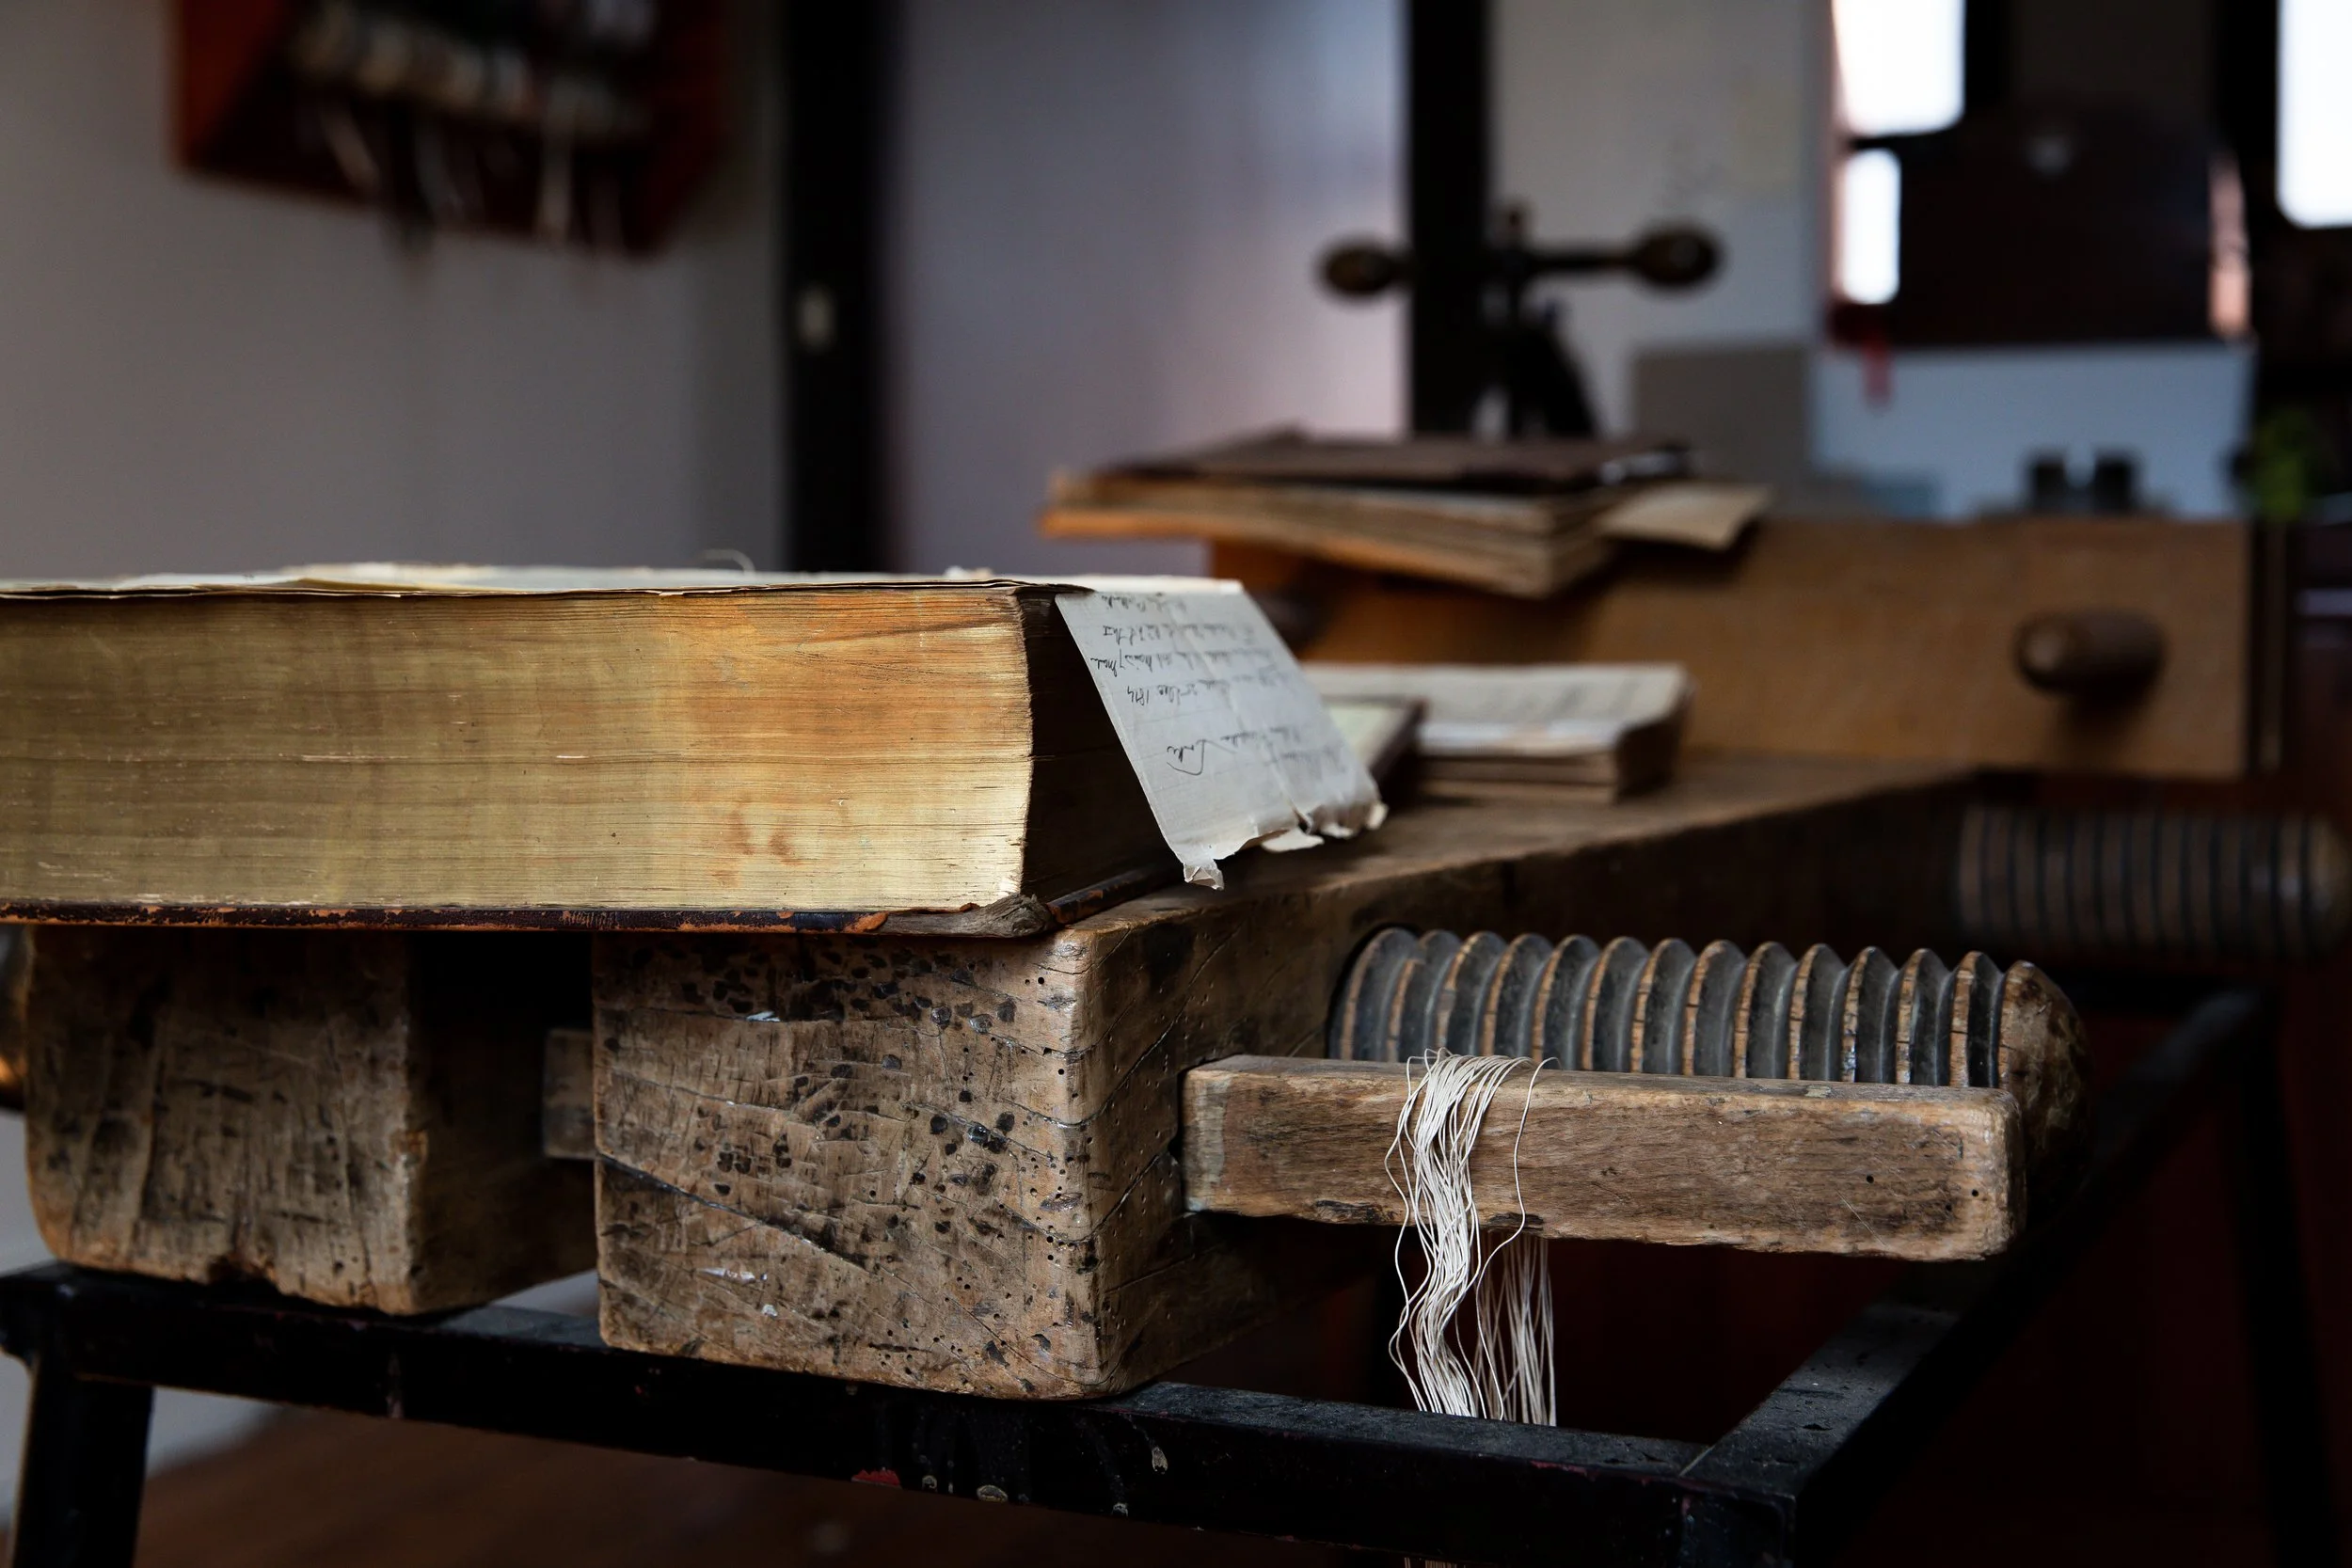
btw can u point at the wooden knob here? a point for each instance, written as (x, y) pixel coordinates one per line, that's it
(1365, 270)
(2090, 652)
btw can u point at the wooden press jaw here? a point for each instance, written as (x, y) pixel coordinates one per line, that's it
(1763, 1099)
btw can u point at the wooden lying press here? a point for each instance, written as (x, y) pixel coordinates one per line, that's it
(1757, 1099)
(1036, 1167)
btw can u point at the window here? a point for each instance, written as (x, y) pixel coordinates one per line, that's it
(1899, 64)
(1869, 206)
(2315, 112)
(1900, 73)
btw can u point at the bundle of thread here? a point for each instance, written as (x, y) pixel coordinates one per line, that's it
(1475, 1337)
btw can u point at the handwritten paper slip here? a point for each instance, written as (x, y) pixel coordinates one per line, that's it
(1231, 744)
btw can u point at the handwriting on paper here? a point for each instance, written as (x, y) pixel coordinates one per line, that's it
(1231, 745)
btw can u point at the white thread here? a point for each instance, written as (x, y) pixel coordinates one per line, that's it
(1496, 1362)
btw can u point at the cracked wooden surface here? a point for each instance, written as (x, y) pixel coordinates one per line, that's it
(350, 1116)
(955, 1163)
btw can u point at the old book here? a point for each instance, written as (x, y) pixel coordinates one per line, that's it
(1540, 730)
(377, 746)
(1525, 518)
(1530, 546)
(1542, 465)
(1379, 729)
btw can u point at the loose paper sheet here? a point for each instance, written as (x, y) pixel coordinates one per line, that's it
(1702, 515)
(1518, 710)
(1231, 744)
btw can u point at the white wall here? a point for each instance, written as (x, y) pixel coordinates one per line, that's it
(1614, 115)
(201, 375)
(1963, 422)
(1105, 223)
(197, 375)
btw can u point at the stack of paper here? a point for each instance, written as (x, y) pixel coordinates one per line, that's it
(1594, 731)
(1523, 517)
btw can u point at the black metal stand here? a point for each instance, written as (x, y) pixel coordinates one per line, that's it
(77, 1495)
(1786, 1485)
(2290, 1416)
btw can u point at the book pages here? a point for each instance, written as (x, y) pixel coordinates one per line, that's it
(1702, 515)
(425, 577)
(1518, 710)
(1230, 743)
(1380, 729)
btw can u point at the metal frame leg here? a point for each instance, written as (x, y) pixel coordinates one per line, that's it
(2290, 1416)
(84, 1469)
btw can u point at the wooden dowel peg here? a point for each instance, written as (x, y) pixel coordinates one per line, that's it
(568, 1109)
(16, 985)
(2091, 653)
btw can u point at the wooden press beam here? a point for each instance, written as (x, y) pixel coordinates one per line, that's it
(951, 1163)
(1872, 638)
(1771, 1166)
